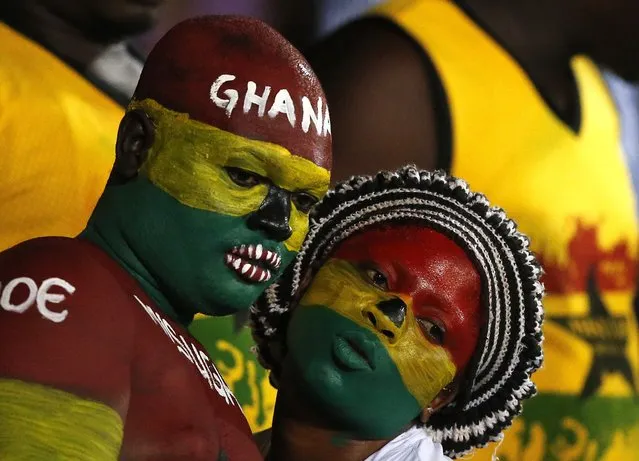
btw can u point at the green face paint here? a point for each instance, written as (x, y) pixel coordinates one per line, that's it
(370, 379)
(188, 161)
(183, 249)
(182, 227)
(356, 400)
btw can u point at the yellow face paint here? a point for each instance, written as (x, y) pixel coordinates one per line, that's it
(425, 368)
(188, 160)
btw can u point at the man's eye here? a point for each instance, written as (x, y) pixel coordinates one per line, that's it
(304, 202)
(243, 178)
(377, 278)
(434, 333)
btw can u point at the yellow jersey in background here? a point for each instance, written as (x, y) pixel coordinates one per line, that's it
(571, 192)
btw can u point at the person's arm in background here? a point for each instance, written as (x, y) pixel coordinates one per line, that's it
(65, 360)
(381, 105)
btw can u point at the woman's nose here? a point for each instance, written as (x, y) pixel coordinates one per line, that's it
(387, 317)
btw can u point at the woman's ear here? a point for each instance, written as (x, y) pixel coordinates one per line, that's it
(135, 137)
(445, 396)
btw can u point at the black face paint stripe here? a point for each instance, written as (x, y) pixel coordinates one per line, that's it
(272, 217)
(394, 309)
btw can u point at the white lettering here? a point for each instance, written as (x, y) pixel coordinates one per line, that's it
(201, 365)
(218, 382)
(39, 295)
(43, 297)
(251, 98)
(327, 123)
(227, 104)
(5, 298)
(168, 330)
(309, 114)
(184, 349)
(283, 104)
(148, 310)
(193, 354)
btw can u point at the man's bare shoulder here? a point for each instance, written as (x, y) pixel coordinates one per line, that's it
(63, 315)
(59, 261)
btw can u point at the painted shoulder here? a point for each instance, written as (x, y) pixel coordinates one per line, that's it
(64, 319)
(59, 280)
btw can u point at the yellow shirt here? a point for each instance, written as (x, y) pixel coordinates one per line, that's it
(572, 194)
(57, 138)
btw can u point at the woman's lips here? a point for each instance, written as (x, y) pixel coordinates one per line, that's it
(253, 263)
(353, 351)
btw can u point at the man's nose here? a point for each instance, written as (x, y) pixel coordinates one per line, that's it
(272, 217)
(387, 317)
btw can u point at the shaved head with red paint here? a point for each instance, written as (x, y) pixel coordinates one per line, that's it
(240, 75)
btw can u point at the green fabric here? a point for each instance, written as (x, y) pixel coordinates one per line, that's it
(176, 252)
(42, 423)
(362, 404)
(565, 427)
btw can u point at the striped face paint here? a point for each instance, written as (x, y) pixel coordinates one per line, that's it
(191, 161)
(386, 323)
(242, 205)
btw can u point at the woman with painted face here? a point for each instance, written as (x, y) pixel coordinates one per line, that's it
(407, 328)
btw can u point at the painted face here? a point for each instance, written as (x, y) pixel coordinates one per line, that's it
(386, 323)
(242, 203)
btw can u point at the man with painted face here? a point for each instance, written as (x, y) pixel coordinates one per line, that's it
(221, 154)
(407, 328)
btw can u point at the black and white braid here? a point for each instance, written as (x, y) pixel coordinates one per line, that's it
(510, 345)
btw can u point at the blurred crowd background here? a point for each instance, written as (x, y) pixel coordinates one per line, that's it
(301, 22)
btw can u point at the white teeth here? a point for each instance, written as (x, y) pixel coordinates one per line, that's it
(263, 276)
(238, 255)
(253, 271)
(268, 274)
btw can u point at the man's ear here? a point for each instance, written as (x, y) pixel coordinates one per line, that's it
(445, 396)
(135, 137)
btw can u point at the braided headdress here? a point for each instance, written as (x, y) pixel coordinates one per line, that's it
(509, 348)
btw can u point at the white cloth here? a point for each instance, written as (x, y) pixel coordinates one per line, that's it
(412, 445)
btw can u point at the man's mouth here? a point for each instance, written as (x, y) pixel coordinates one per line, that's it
(253, 263)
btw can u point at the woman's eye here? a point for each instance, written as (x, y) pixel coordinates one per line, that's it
(304, 202)
(433, 332)
(377, 278)
(243, 178)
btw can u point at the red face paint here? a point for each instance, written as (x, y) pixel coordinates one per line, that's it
(240, 75)
(432, 270)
